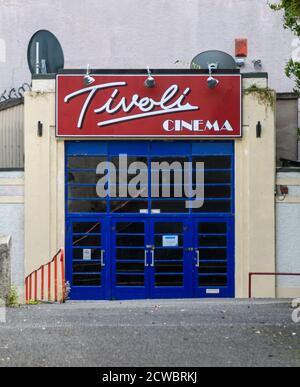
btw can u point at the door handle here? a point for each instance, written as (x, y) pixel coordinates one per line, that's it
(152, 258)
(198, 258)
(102, 258)
(146, 258)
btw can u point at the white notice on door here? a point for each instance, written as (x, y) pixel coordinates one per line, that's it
(87, 254)
(170, 241)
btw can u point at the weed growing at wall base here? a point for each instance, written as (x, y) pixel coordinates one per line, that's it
(12, 298)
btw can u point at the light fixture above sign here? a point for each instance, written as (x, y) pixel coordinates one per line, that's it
(88, 80)
(211, 81)
(150, 81)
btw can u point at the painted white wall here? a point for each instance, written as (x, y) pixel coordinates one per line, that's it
(12, 223)
(134, 33)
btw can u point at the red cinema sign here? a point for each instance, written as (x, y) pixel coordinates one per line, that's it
(179, 106)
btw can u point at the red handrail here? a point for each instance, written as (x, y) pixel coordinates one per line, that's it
(32, 283)
(251, 275)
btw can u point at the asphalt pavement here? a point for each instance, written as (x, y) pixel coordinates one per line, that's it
(160, 333)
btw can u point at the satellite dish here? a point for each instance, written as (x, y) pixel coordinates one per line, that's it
(45, 54)
(223, 60)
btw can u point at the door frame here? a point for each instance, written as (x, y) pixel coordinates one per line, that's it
(191, 289)
(123, 292)
(224, 291)
(173, 291)
(73, 149)
(87, 292)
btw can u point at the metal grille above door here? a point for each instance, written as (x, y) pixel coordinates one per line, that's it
(82, 159)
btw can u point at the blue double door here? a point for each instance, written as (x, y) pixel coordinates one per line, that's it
(145, 257)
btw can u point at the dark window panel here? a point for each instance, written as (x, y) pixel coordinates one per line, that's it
(130, 254)
(85, 162)
(130, 228)
(130, 206)
(130, 160)
(131, 240)
(86, 280)
(87, 206)
(81, 192)
(170, 206)
(169, 228)
(130, 280)
(170, 160)
(214, 162)
(86, 240)
(168, 280)
(213, 254)
(130, 267)
(168, 254)
(216, 192)
(219, 280)
(214, 206)
(84, 177)
(83, 227)
(212, 228)
(168, 267)
(86, 267)
(214, 177)
(212, 241)
(213, 267)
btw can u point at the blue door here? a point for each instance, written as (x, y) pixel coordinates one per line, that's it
(151, 258)
(213, 264)
(87, 268)
(129, 258)
(170, 257)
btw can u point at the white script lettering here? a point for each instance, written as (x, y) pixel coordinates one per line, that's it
(171, 102)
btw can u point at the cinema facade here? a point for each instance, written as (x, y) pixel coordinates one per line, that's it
(153, 192)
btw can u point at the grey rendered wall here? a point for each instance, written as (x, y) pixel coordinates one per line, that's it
(4, 267)
(135, 33)
(12, 223)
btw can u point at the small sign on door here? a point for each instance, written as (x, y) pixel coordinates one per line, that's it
(87, 254)
(170, 241)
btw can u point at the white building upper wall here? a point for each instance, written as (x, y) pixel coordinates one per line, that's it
(135, 33)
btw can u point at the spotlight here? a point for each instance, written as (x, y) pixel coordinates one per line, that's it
(211, 81)
(240, 62)
(150, 81)
(88, 80)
